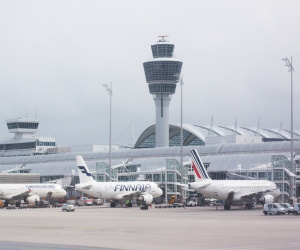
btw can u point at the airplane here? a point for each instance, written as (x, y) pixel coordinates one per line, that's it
(143, 191)
(31, 192)
(233, 192)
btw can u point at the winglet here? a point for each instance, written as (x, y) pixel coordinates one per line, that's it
(198, 167)
(84, 173)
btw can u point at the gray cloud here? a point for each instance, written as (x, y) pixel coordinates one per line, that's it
(55, 56)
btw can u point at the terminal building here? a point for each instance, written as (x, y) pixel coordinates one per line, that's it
(227, 152)
(226, 156)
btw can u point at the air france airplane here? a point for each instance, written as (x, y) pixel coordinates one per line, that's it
(141, 190)
(30, 192)
(233, 192)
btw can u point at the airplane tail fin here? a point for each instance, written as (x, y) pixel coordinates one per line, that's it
(198, 167)
(84, 174)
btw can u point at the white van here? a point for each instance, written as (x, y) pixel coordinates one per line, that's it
(273, 208)
(297, 208)
(288, 208)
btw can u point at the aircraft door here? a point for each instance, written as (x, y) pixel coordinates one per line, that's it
(99, 191)
(215, 191)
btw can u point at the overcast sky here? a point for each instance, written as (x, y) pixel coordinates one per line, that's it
(55, 56)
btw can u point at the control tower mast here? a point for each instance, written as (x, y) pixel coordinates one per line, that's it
(162, 75)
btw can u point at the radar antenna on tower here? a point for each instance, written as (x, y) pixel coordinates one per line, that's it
(162, 39)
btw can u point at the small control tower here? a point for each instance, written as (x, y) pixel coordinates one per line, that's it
(162, 75)
(22, 127)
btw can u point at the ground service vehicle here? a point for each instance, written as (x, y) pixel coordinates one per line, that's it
(68, 207)
(273, 208)
(192, 202)
(84, 201)
(172, 199)
(297, 208)
(98, 202)
(288, 207)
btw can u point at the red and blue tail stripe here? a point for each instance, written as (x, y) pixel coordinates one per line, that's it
(198, 166)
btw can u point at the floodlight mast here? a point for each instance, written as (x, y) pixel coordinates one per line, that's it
(109, 90)
(181, 142)
(289, 64)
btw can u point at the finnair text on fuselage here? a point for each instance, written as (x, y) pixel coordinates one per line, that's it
(39, 186)
(132, 187)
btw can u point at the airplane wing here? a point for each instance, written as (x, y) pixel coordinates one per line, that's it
(182, 185)
(87, 187)
(185, 187)
(17, 196)
(129, 195)
(253, 194)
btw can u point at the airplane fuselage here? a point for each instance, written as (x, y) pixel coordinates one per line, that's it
(111, 190)
(41, 190)
(220, 189)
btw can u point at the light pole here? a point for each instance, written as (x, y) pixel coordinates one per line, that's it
(109, 90)
(289, 64)
(181, 141)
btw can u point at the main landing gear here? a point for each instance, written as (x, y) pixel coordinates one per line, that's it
(248, 206)
(113, 204)
(227, 205)
(144, 206)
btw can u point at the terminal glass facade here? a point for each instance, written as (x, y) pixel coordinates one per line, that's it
(156, 88)
(14, 146)
(162, 71)
(162, 50)
(30, 125)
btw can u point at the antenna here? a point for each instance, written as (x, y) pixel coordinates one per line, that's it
(162, 39)
(133, 134)
(235, 125)
(280, 128)
(258, 127)
(211, 127)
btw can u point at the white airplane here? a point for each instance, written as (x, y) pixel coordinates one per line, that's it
(144, 191)
(30, 192)
(233, 192)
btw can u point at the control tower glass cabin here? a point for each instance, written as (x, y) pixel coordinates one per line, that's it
(162, 74)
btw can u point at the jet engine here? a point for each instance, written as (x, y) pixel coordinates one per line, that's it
(32, 199)
(148, 198)
(266, 199)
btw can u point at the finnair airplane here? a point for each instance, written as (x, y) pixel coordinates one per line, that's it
(141, 190)
(30, 192)
(233, 192)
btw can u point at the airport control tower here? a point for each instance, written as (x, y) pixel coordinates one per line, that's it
(162, 75)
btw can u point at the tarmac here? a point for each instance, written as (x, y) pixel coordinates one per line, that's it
(101, 227)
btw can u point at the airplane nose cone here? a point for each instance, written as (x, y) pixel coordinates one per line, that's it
(64, 193)
(160, 192)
